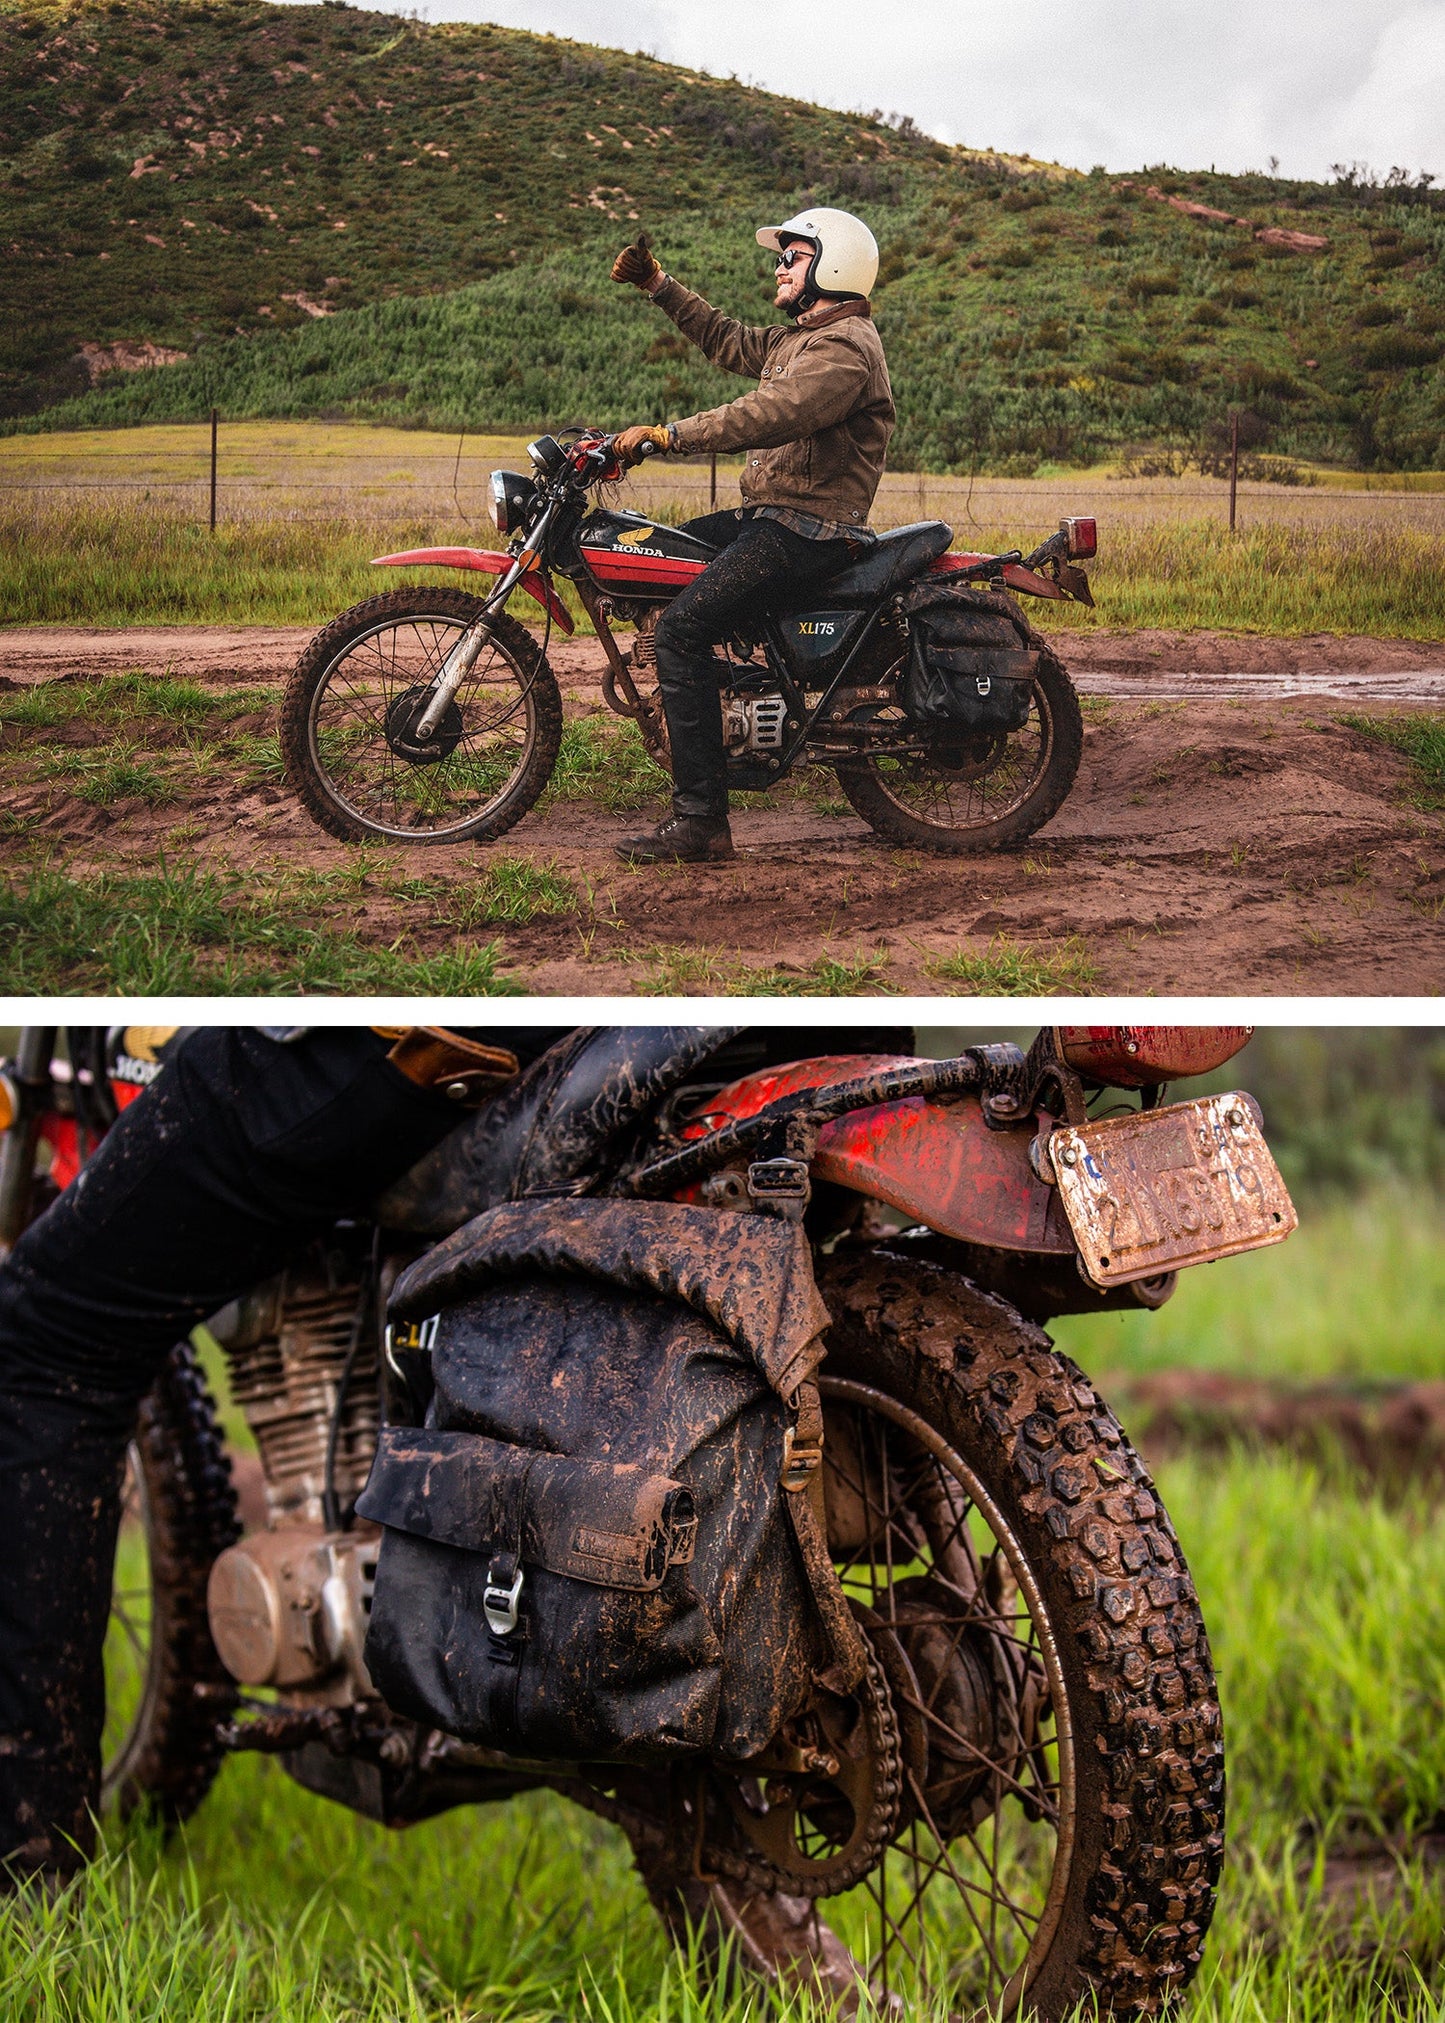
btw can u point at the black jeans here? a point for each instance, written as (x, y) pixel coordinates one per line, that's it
(229, 1164)
(760, 558)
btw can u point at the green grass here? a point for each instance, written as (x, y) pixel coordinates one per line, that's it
(1421, 738)
(1005, 969)
(603, 759)
(104, 774)
(188, 931)
(98, 563)
(122, 698)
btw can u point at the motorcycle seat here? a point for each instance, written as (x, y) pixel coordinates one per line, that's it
(890, 560)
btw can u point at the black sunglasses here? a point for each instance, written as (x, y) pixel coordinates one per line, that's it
(792, 255)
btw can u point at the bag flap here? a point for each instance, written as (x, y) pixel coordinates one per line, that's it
(994, 663)
(930, 598)
(612, 1524)
(749, 1275)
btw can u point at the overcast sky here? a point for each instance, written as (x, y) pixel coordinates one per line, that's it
(1128, 83)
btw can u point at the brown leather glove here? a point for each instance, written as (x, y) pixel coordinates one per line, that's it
(636, 264)
(628, 445)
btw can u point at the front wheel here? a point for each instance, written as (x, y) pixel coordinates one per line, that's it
(1056, 1834)
(351, 709)
(166, 1690)
(958, 792)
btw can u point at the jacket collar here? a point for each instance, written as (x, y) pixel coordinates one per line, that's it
(831, 312)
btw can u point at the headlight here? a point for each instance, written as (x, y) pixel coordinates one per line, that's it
(512, 497)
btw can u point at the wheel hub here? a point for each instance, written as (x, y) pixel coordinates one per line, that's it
(979, 1709)
(402, 719)
(968, 758)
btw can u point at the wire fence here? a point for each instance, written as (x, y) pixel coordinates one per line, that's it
(254, 471)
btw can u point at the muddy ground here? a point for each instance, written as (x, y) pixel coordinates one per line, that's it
(1227, 834)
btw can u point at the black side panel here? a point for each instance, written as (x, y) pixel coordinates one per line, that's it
(550, 1129)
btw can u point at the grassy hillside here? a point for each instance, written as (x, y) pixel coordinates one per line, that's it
(206, 174)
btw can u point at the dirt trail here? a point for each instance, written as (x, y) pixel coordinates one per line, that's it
(1227, 835)
(1143, 665)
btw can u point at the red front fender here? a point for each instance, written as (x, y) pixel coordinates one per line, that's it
(491, 563)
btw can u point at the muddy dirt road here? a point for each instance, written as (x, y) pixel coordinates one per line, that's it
(1228, 834)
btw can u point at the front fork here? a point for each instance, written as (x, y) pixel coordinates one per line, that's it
(463, 656)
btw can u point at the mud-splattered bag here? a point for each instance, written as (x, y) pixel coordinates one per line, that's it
(589, 1551)
(971, 663)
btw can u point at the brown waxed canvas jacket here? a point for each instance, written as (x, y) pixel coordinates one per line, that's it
(816, 427)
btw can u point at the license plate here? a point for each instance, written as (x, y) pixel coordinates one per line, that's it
(1156, 1190)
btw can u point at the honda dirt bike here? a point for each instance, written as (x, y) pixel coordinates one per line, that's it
(1017, 1804)
(432, 716)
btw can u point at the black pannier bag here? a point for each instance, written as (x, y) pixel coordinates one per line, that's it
(972, 658)
(590, 1551)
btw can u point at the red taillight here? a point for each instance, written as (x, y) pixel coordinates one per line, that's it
(1128, 1057)
(1083, 538)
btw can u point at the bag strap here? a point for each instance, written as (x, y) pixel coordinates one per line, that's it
(802, 1486)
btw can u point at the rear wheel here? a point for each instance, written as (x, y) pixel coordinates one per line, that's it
(1059, 1830)
(350, 714)
(959, 793)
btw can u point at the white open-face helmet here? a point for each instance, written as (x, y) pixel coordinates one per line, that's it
(846, 252)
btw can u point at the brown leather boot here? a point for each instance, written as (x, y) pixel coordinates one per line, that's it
(681, 839)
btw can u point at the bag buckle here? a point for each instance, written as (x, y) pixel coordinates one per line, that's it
(779, 1187)
(801, 1461)
(410, 1338)
(499, 1602)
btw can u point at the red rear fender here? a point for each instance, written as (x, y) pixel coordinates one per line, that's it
(1014, 574)
(491, 563)
(937, 1163)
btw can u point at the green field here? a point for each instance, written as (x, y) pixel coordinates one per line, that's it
(333, 212)
(1326, 1609)
(122, 560)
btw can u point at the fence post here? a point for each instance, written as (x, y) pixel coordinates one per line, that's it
(712, 482)
(213, 470)
(1233, 465)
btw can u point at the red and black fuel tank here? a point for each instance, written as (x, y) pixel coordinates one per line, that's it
(634, 557)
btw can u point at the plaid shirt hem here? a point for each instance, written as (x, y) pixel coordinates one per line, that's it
(812, 528)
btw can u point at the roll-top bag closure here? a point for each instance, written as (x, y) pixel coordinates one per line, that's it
(612, 1525)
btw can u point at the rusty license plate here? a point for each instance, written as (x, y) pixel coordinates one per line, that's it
(1156, 1190)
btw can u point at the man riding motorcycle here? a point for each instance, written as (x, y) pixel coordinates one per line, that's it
(815, 431)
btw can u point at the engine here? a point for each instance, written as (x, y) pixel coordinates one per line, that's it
(754, 723)
(288, 1605)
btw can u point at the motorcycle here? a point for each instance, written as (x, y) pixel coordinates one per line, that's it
(433, 716)
(1018, 1805)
